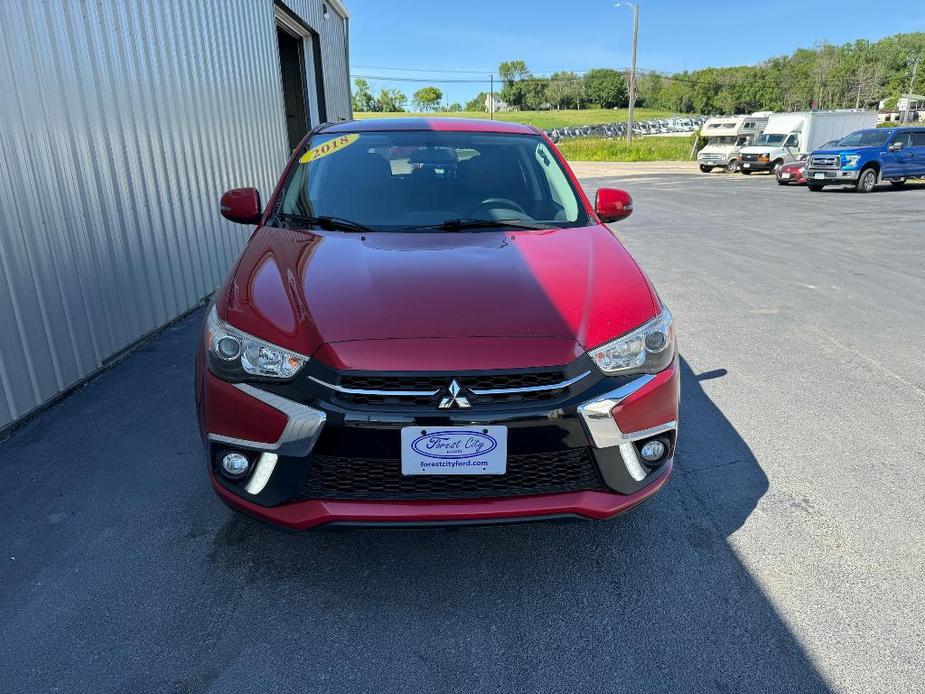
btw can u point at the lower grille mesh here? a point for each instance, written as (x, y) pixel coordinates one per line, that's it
(333, 477)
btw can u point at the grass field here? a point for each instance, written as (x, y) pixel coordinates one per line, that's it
(651, 148)
(541, 119)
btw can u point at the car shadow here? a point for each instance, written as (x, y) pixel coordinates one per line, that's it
(123, 571)
(655, 600)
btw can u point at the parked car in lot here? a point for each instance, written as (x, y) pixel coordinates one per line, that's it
(794, 172)
(788, 136)
(867, 157)
(460, 342)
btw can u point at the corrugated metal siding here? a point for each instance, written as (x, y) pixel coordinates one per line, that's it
(122, 123)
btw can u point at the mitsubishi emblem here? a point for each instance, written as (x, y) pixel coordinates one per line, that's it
(454, 398)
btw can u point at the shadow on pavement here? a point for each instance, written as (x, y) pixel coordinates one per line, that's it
(128, 573)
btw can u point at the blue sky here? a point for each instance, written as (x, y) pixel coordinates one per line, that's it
(580, 34)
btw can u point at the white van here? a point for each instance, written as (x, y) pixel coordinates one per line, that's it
(726, 135)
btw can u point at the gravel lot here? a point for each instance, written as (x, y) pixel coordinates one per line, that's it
(785, 555)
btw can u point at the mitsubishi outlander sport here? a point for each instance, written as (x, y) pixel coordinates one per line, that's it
(431, 325)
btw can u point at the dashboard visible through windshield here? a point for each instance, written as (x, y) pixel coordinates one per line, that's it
(425, 180)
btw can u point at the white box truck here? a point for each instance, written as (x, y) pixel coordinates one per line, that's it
(726, 135)
(790, 136)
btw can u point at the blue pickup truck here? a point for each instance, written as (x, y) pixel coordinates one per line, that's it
(867, 157)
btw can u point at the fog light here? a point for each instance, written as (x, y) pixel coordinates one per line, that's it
(235, 465)
(653, 450)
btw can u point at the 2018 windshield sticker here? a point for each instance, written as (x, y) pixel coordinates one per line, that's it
(329, 147)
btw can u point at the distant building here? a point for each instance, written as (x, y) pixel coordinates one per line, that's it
(494, 103)
(913, 102)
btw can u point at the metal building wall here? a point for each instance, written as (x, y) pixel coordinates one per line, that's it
(120, 125)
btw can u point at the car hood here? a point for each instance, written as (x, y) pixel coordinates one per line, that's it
(841, 150)
(303, 290)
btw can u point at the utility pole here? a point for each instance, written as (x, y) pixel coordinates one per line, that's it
(915, 68)
(632, 84)
(491, 98)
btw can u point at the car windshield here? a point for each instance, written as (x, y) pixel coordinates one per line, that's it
(864, 138)
(770, 139)
(403, 180)
(726, 140)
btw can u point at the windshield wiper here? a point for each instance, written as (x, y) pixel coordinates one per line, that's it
(324, 222)
(460, 224)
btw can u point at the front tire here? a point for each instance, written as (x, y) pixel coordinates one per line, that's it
(706, 169)
(866, 181)
(815, 187)
(781, 183)
(747, 172)
(731, 166)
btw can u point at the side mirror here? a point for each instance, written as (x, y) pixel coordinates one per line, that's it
(241, 205)
(612, 205)
(896, 146)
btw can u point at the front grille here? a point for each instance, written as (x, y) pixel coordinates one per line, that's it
(334, 477)
(824, 161)
(751, 157)
(477, 381)
(393, 389)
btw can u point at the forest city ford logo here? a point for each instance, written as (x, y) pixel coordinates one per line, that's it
(453, 444)
(454, 398)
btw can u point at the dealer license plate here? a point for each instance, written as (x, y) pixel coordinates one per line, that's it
(819, 175)
(785, 175)
(464, 450)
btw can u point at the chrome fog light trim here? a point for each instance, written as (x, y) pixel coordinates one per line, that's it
(265, 466)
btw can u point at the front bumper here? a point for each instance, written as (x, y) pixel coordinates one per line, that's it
(791, 177)
(605, 425)
(756, 165)
(831, 175)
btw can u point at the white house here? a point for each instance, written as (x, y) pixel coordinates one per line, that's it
(494, 103)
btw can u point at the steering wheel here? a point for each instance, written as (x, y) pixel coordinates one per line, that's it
(492, 203)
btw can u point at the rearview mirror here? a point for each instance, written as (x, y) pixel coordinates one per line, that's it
(612, 205)
(896, 146)
(241, 205)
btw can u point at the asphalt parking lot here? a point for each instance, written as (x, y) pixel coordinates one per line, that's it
(785, 555)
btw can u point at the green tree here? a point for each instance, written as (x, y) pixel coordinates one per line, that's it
(455, 107)
(606, 88)
(477, 103)
(427, 99)
(363, 99)
(516, 80)
(392, 100)
(565, 90)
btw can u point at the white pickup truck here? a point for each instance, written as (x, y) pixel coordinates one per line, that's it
(790, 136)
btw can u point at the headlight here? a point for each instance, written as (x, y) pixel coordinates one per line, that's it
(849, 161)
(234, 355)
(647, 349)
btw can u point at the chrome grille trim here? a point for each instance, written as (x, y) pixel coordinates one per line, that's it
(825, 161)
(531, 389)
(363, 391)
(429, 393)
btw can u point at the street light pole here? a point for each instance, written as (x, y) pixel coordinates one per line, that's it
(915, 68)
(632, 85)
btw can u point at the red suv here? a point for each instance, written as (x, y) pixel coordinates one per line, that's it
(432, 326)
